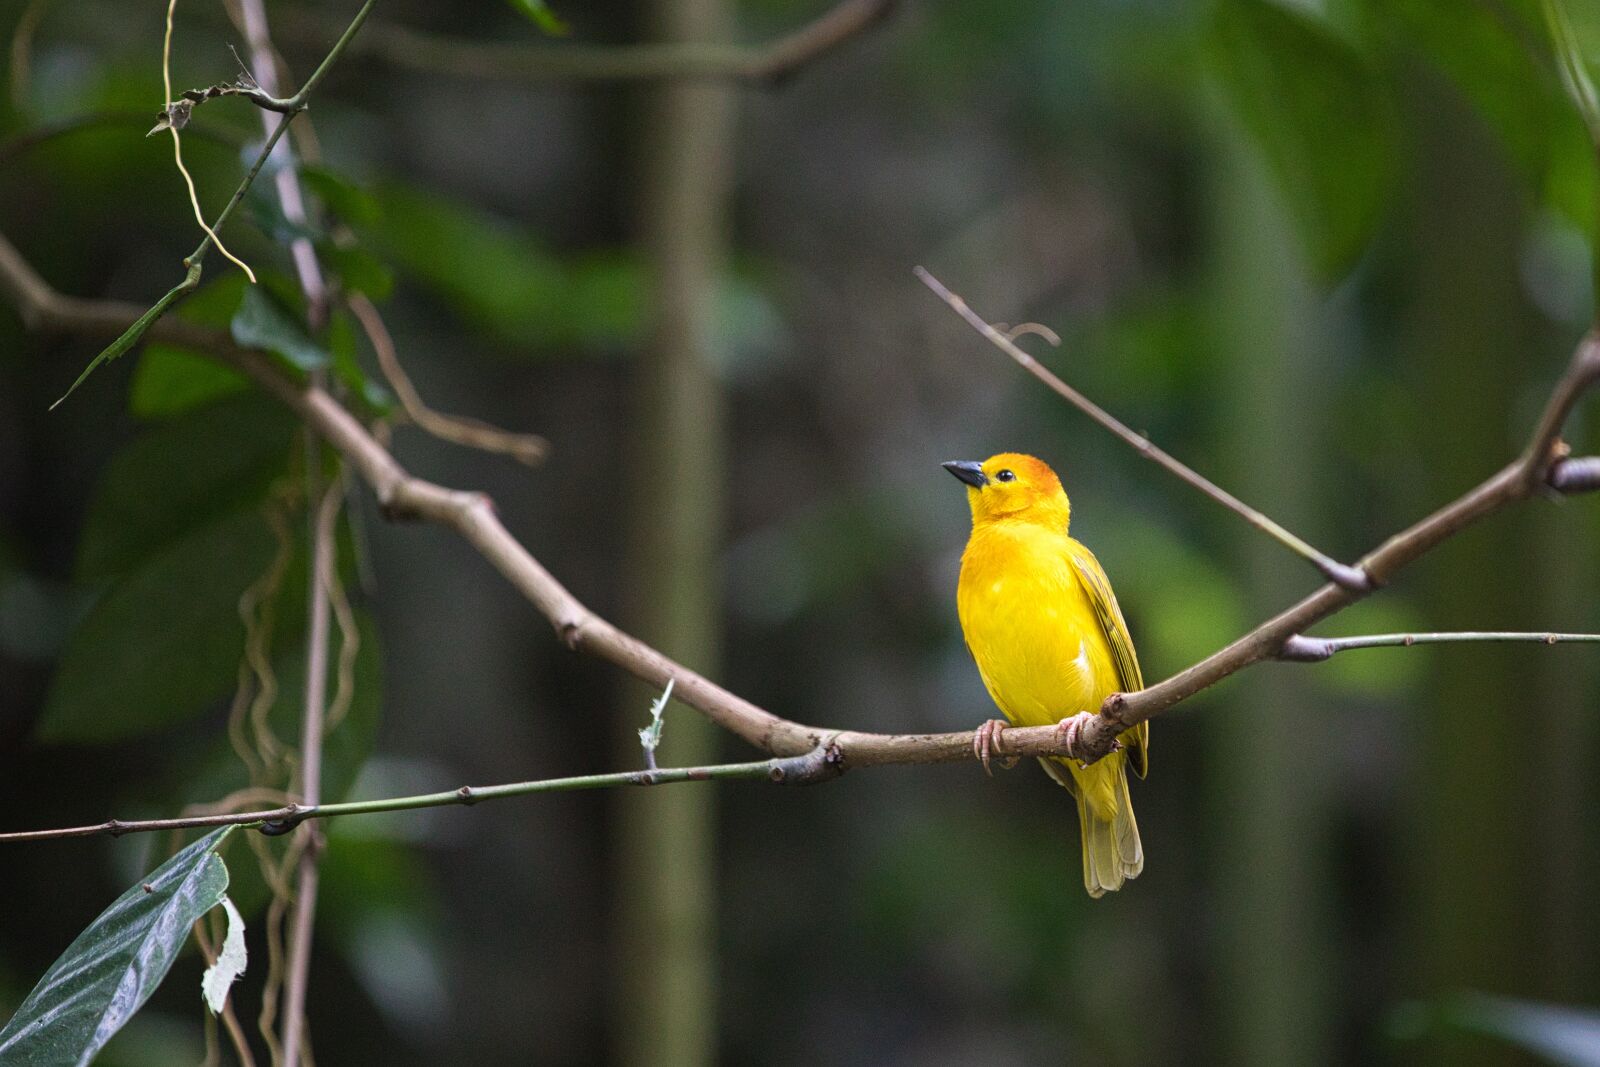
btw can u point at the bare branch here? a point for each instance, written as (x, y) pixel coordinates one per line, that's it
(472, 515)
(1348, 577)
(526, 448)
(1302, 649)
(769, 64)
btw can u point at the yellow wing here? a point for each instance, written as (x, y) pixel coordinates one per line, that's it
(1115, 629)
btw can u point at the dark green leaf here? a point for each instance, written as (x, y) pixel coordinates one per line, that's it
(1485, 50)
(180, 475)
(107, 974)
(1321, 120)
(345, 199)
(262, 322)
(496, 279)
(540, 13)
(164, 642)
(171, 380)
(358, 269)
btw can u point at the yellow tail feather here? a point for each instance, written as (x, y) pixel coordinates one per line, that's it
(1112, 851)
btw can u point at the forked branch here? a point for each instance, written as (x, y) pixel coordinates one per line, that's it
(473, 516)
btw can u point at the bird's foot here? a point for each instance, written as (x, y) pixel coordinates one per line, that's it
(986, 741)
(1071, 728)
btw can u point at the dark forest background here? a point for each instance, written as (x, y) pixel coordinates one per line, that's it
(1332, 255)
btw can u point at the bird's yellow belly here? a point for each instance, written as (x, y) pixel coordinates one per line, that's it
(1039, 652)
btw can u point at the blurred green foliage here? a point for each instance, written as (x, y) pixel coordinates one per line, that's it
(1060, 163)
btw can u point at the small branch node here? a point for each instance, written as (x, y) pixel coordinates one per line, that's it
(1351, 579)
(292, 817)
(821, 764)
(468, 797)
(1298, 648)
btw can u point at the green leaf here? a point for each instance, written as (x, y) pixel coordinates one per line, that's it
(1483, 49)
(164, 642)
(1320, 118)
(261, 322)
(539, 12)
(221, 975)
(171, 380)
(107, 974)
(498, 280)
(345, 199)
(180, 475)
(129, 338)
(358, 269)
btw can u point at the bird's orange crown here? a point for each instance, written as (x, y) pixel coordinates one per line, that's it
(1014, 487)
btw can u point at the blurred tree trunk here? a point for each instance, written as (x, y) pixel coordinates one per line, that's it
(1272, 981)
(664, 998)
(1475, 847)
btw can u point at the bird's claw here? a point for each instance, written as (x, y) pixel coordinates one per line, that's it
(986, 740)
(1069, 729)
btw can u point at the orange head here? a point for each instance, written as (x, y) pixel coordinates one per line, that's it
(1013, 487)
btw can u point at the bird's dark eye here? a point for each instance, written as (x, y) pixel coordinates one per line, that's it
(1005, 476)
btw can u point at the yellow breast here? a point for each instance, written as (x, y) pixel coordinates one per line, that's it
(1030, 626)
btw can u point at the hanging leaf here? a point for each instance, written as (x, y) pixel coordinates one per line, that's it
(1320, 118)
(129, 338)
(107, 974)
(221, 975)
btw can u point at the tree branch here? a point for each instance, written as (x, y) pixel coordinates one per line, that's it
(1342, 574)
(769, 65)
(472, 515)
(1537, 468)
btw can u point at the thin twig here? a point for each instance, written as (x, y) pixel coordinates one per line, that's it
(526, 448)
(473, 516)
(1301, 648)
(768, 65)
(1340, 573)
(805, 769)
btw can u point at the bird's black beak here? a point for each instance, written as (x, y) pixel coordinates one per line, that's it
(968, 471)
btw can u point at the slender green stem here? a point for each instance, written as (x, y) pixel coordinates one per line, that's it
(794, 770)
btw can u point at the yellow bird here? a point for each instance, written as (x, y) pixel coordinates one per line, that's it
(1049, 639)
